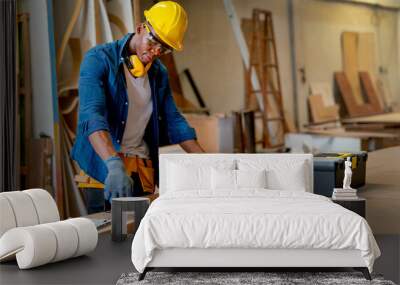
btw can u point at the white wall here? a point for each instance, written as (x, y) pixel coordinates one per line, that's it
(319, 28)
(40, 66)
(212, 54)
(213, 57)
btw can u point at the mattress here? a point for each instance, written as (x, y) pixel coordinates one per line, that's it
(250, 219)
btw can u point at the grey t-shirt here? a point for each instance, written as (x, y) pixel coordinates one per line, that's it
(139, 113)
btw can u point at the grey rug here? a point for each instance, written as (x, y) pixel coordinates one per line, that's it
(231, 278)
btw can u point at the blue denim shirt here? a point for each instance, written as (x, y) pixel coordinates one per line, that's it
(103, 105)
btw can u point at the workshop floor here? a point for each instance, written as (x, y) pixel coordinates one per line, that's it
(102, 266)
(110, 260)
(382, 191)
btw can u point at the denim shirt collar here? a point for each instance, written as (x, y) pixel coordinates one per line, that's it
(123, 42)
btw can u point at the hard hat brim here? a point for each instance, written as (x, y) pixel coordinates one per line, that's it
(176, 46)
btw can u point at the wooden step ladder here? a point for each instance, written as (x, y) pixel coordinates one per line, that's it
(264, 60)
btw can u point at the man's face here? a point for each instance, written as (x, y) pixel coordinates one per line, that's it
(149, 47)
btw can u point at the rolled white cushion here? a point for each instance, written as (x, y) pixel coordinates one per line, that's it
(66, 238)
(40, 244)
(45, 205)
(7, 218)
(33, 246)
(23, 208)
(87, 235)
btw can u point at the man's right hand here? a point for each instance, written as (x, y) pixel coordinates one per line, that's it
(117, 183)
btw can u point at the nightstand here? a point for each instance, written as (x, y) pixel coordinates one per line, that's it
(356, 205)
(119, 208)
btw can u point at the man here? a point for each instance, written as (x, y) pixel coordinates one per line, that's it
(126, 109)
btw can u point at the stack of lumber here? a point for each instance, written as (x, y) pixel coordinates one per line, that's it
(359, 91)
(358, 82)
(388, 124)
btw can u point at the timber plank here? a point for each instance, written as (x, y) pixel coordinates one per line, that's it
(350, 63)
(353, 109)
(320, 112)
(369, 89)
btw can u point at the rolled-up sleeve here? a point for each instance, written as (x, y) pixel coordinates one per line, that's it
(92, 99)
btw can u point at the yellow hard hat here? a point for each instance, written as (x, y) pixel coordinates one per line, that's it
(169, 21)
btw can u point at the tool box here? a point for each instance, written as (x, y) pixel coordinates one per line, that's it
(329, 171)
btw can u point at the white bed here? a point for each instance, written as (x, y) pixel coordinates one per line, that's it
(247, 210)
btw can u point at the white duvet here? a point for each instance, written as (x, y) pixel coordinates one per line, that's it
(252, 218)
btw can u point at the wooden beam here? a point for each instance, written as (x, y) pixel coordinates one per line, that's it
(137, 13)
(353, 109)
(370, 91)
(350, 63)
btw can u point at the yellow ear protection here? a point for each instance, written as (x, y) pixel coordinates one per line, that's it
(135, 66)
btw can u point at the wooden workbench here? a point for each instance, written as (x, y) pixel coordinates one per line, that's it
(387, 118)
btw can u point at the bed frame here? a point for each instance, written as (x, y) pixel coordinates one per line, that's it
(246, 259)
(243, 259)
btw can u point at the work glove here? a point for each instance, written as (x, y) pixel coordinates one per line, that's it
(117, 183)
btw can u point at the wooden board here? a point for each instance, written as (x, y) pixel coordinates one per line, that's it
(353, 109)
(320, 112)
(368, 88)
(350, 63)
(388, 118)
(367, 63)
(325, 90)
(366, 53)
(340, 132)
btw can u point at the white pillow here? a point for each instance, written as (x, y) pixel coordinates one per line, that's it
(223, 179)
(186, 177)
(235, 179)
(293, 180)
(193, 174)
(281, 174)
(251, 178)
